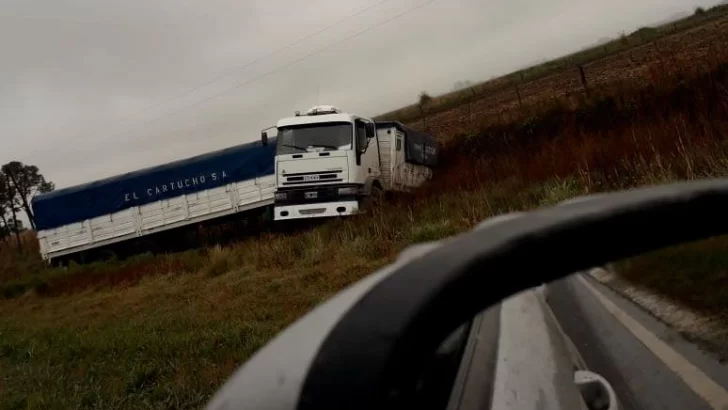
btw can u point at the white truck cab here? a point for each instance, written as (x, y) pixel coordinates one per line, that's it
(327, 161)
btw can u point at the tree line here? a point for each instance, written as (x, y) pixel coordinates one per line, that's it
(18, 184)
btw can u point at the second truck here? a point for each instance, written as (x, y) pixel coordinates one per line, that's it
(330, 163)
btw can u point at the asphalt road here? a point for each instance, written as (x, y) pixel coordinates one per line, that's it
(649, 365)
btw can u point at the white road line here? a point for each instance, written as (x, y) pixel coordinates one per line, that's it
(575, 353)
(715, 395)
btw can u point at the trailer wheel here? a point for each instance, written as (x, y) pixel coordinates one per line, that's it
(107, 255)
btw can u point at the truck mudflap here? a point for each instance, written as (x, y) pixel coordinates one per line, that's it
(316, 210)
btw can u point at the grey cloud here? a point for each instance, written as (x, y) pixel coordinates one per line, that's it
(78, 76)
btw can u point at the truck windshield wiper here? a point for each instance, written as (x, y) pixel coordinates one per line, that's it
(293, 146)
(324, 146)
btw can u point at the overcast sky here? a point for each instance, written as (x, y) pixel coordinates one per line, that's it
(93, 88)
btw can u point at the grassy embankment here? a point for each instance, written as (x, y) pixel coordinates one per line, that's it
(636, 47)
(166, 331)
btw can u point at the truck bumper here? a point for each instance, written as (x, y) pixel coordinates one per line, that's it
(317, 210)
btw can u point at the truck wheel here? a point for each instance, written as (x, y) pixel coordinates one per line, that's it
(374, 199)
(377, 195)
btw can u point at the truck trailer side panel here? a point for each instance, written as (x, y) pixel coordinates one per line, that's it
(155, 199)
(155, 217)
(410, 156)
(385, 136)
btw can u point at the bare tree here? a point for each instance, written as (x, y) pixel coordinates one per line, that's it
(9, 201)
(26, 181)
(424, 98)
(4, 226)
(461, 85)
(4, 231)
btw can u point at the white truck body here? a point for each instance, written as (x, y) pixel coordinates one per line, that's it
(156, 217)
(327, 162)
(154, 200)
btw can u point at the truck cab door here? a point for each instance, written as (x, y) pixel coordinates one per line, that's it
(362, 142)
(367, 148)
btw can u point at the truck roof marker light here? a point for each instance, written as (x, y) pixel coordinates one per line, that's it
(323, 109)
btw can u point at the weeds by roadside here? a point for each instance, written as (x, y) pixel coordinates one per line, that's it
(696, 274)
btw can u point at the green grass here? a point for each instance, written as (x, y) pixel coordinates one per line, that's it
(696, 273)
(173, 338)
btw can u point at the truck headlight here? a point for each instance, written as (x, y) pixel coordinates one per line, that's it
(281, 196)
(349, 190)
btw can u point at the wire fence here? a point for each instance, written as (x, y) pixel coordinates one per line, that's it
(634, 60)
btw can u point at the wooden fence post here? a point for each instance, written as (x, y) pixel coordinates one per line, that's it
(470, 105)
(584, 83)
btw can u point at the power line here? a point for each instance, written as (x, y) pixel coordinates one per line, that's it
(271, 72)
(287, 46)
(122, 119)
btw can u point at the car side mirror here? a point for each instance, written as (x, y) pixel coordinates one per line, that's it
(597, 392)
(264, 137)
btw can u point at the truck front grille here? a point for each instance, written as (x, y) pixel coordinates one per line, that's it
(312, 177)
(296, 196)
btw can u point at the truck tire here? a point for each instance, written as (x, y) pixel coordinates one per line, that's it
(377, 195)
(374, 199)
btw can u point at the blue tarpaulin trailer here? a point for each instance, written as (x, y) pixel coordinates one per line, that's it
(154, 199)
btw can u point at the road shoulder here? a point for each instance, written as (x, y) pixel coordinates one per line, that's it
(705, 386)
(704, 333)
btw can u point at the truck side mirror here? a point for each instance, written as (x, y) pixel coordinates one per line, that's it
(370, 130)
(264, 137)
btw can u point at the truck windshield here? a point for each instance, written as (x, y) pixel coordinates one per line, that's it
(314, 137)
